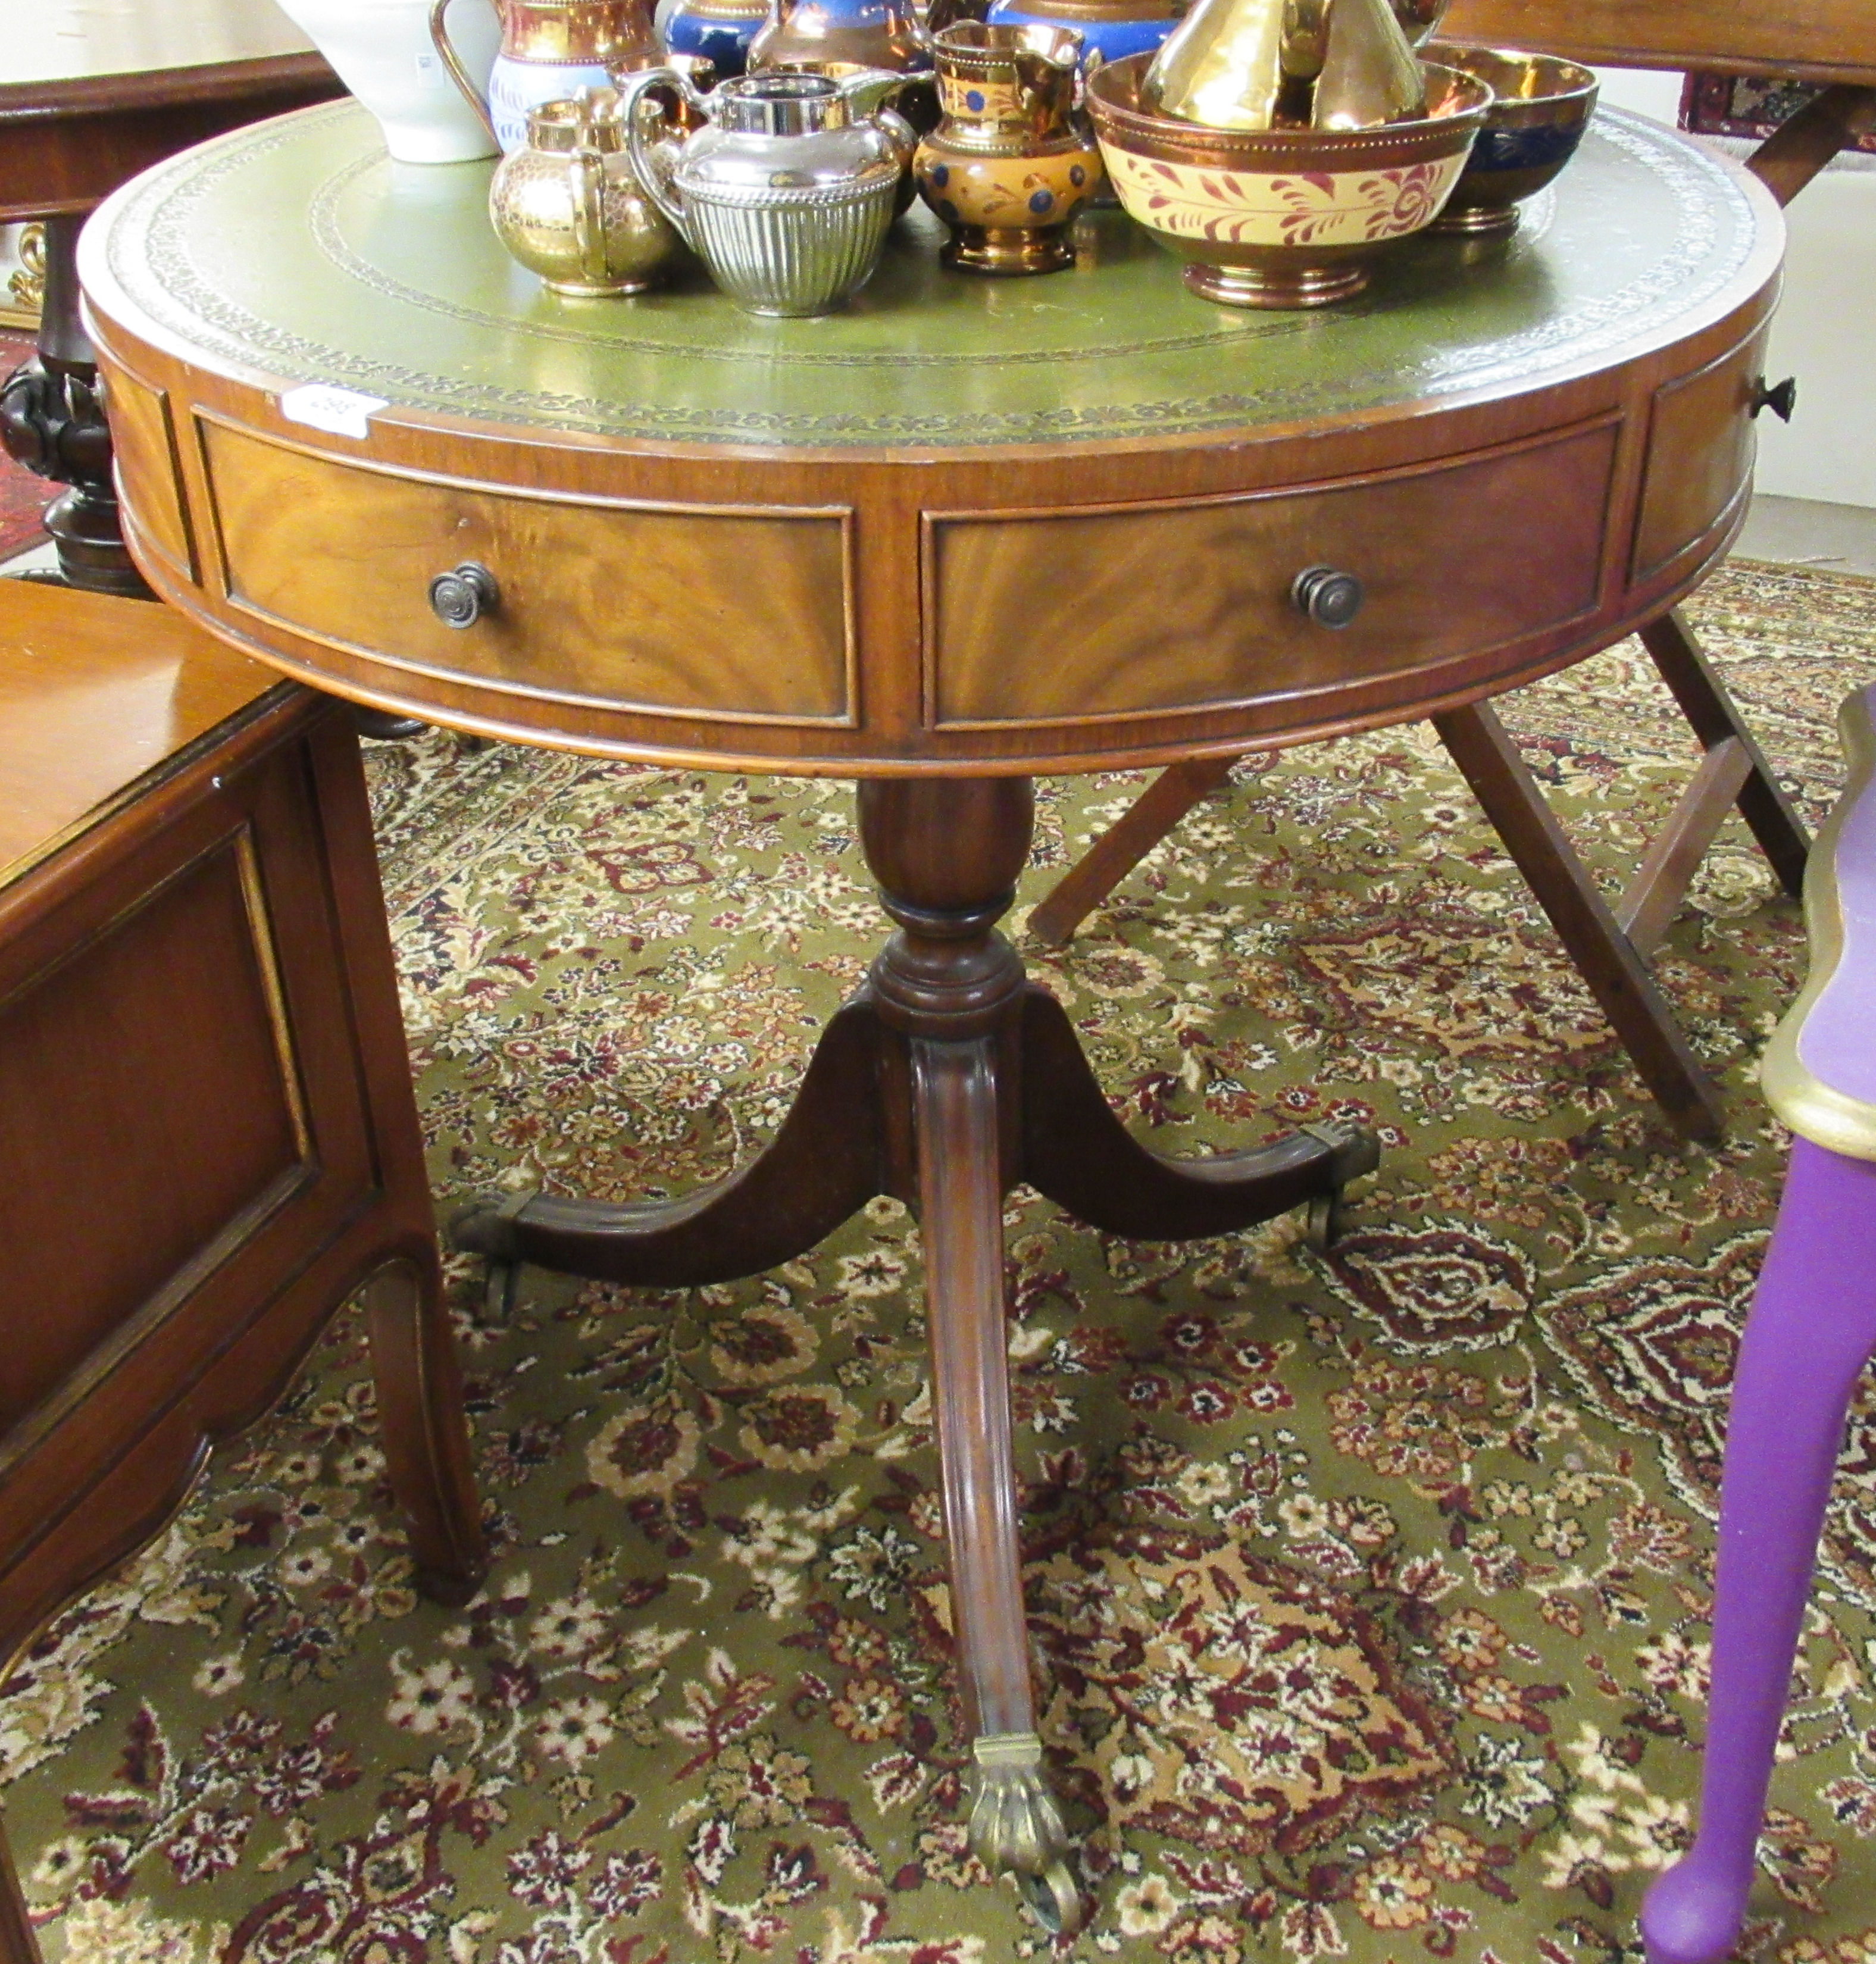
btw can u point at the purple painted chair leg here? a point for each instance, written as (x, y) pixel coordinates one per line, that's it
(1812, 1326)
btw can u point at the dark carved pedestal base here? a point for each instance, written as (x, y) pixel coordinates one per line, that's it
(53, 421)
(945, 1081)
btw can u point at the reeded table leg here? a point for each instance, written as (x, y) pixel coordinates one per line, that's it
(946, 1080)
(1077, 1153)
(1015, 1822)
(1811, 1328)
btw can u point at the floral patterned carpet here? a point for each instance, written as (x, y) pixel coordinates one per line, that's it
(1370, 1593)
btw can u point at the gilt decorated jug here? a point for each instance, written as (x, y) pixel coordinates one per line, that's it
(551, 49)
(1011, 163)
(570, 206)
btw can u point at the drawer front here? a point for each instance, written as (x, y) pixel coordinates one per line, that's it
(1701, 446)
(143, 441)
(1088, 614)
(705, 611)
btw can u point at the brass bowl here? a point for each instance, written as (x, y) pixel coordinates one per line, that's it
(1531, 131)
(1282, 218)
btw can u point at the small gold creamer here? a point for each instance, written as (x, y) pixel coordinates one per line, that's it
(568, 204)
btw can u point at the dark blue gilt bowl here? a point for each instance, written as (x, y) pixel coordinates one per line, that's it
(1530, 133)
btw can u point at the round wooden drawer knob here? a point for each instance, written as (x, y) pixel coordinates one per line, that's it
(1330, 599)
(460, 598)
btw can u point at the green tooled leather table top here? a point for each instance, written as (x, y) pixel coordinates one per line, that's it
(298, 253)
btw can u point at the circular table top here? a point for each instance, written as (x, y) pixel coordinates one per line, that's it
(1046, 523)
(298, 251)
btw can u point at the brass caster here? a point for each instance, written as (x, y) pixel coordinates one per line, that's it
(1058, 1903)
(1322, 1224)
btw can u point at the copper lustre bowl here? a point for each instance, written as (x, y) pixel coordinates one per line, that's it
(1282, 218)
(1543, 106)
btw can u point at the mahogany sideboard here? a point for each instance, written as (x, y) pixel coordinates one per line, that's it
(90, 94)
(1820, 40)
(208, 1135)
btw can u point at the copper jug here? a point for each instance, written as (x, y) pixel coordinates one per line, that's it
(1297, 64)
(1011, 164)
(837, 36)
(551, 50)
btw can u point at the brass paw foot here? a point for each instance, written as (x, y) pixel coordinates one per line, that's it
(1015, 1824)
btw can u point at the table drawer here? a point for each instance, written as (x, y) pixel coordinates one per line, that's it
(1700, 447)
(1120, 610)
(697, 610)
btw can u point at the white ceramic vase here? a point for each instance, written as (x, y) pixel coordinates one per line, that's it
(382, 51)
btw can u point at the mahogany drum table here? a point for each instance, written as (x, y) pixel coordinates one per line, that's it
(965, 531)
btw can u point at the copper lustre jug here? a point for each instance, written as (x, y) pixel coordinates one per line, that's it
(837, 36)
(1011, 162)
(551, 50)
(1296, 64)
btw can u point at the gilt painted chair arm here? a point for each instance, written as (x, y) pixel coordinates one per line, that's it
(1819, 1069)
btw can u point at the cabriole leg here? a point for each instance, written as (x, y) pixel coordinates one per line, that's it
(425, 1431)
(18, 1944)
(1811, 1328)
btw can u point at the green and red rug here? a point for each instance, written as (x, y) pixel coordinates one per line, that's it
(1371, 1594)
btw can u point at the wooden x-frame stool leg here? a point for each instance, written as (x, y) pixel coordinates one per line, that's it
(1610, 945)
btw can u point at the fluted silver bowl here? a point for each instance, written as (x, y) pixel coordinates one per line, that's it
(790, 250)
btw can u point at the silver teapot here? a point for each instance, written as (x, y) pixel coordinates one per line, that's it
(786, 195)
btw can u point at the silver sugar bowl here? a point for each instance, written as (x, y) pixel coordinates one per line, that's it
(787, 193)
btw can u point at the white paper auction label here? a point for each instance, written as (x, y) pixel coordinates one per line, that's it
(343, 412)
